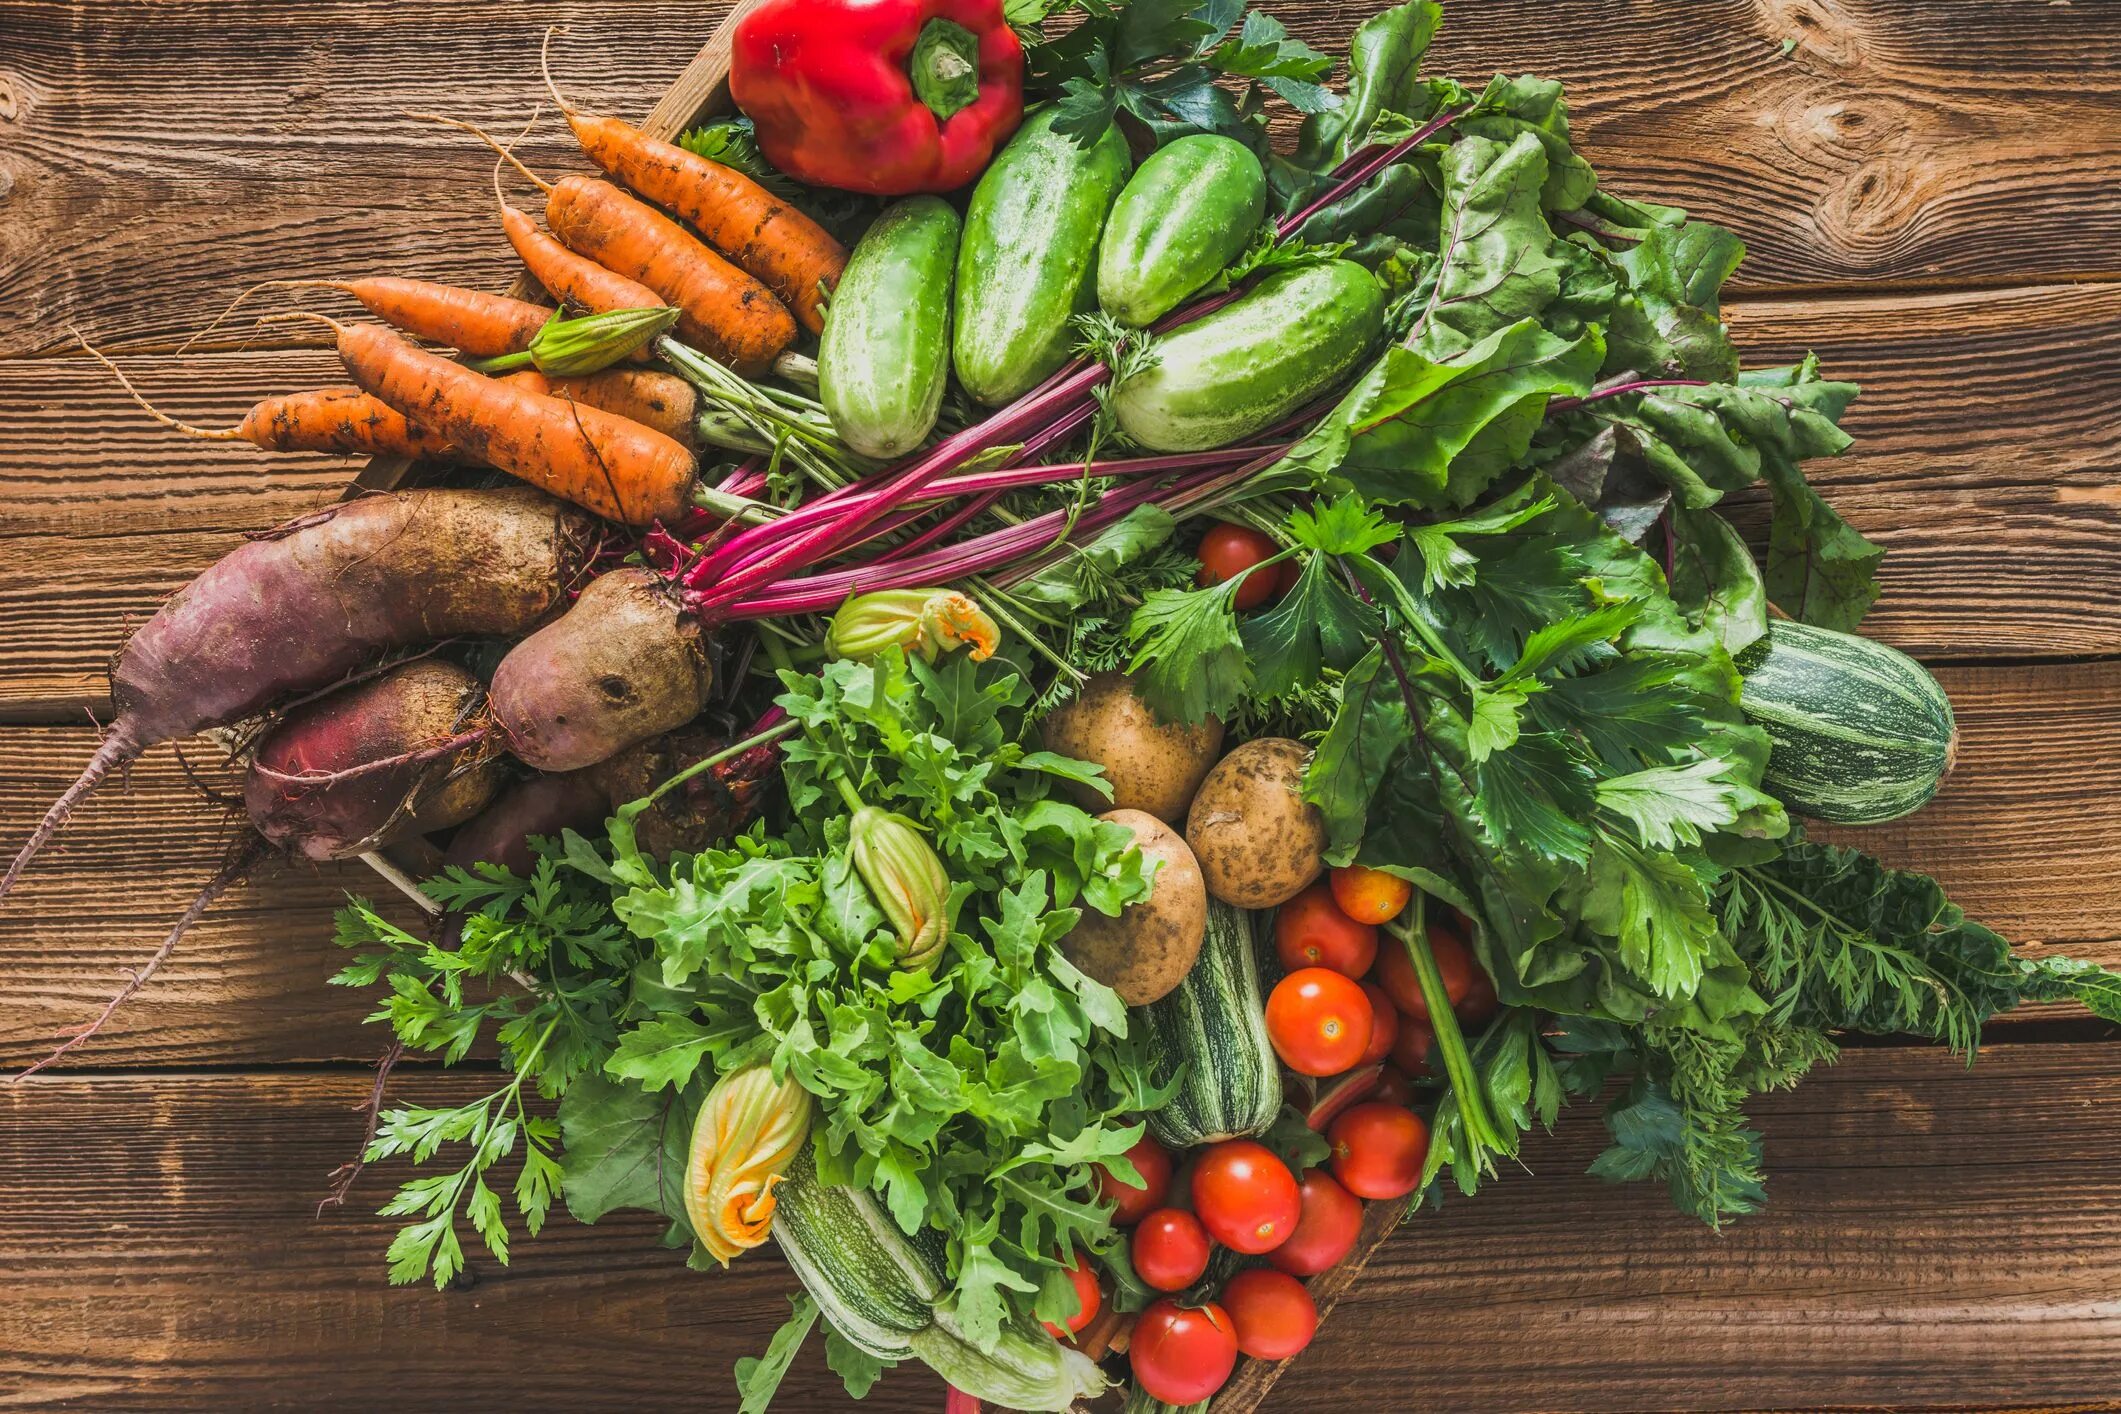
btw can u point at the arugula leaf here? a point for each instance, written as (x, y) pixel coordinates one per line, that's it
(857, 1368)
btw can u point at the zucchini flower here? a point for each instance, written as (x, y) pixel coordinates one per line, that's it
(589, 343)
(749, 1128)
(923, 621)
(905, 878)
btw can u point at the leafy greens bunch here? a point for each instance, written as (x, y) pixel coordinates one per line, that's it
(974, 1095)
(1520, 708)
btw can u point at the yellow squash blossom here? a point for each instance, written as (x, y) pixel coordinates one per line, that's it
(749, 1129)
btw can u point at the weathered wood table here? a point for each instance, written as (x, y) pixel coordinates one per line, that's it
(1929, 191)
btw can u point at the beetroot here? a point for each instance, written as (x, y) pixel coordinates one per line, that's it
(623, 665)
(394, 756)
(543, 805)
(310, 603)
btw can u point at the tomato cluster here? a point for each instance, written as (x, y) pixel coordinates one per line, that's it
(1350, 1017)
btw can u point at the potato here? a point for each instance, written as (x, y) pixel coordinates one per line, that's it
(1150, 947)
(1258, 841)
(1153, 766)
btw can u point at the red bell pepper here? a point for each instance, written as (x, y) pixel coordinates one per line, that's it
(882, 96)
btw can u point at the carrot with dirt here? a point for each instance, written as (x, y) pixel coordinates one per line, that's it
(728, 314)
(304, 606)
(614, 466)
(469, 321)
(789, 252)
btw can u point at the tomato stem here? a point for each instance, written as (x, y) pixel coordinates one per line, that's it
(1458, 1066)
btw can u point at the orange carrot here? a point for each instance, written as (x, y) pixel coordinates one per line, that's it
(470, 321)
(324, 420)
(791, 253)
(570, 278)
(663, 401)
(615, 467)
(728, 315)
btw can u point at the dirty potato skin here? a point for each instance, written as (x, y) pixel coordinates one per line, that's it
(1151, 946)
(1258, 841)
(624, 664)
(1153, 766)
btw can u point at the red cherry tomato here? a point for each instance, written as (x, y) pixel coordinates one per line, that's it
(1393, 1087)
(1311, 931)
(1410, 1051)
(1378, 1150)
(1087, 1297)
(1325, 1230)
(1285, 576)
(1245, 1196)
(1227, 551)
(1384, 1025)
(1319, 1021)
(1480, 1004)
(1370, 895)
(1275, 1317)
(1180, 1354)
(1153, 1162)
(1395, 972)
(1170, 1249)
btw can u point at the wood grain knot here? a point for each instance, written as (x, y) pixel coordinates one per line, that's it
(9, 106)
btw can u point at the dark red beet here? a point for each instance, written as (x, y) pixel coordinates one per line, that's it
(543, 805)
(310, 603)
(394, 756)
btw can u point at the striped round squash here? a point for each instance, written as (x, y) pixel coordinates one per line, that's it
(1861, 732)
(1211, 1033)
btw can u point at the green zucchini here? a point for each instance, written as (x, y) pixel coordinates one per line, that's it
(1189, 210)
(1214, 1025)
(885, 1293)
(885, 352)
(1229, 374)
(1028, 261)
(1860, 732)
(874, 1284)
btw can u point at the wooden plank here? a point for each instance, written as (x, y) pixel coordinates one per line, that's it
(178, 1267)
(2000, 500)
(2023, 835)
(227, 143)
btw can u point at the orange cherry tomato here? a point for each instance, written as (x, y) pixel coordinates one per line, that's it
(1311, 931)
(1378, 1150)
(1275, 1317)
(1370, 895)
(1227, 551)
(1319, 1021)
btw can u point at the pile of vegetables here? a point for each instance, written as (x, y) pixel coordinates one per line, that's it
(1191, 681)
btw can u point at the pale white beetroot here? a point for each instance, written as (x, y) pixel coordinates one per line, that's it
(626, 663)
(308, 604)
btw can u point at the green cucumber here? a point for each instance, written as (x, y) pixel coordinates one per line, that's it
(1859, 733)
(1189, 210)
(1214, 1025)
(885, 352)
(1027, 264)
(1230, 373)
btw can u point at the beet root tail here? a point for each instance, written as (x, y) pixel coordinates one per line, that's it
(118, 749)
(234, 870)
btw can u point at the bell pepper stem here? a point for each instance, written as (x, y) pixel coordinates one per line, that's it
(945, 67)
(1458, 1065)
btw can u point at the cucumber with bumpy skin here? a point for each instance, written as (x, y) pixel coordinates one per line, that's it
(1859, 733)
(1188, 211)
(1229, 374)
(1027, 264)
(885, 352)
